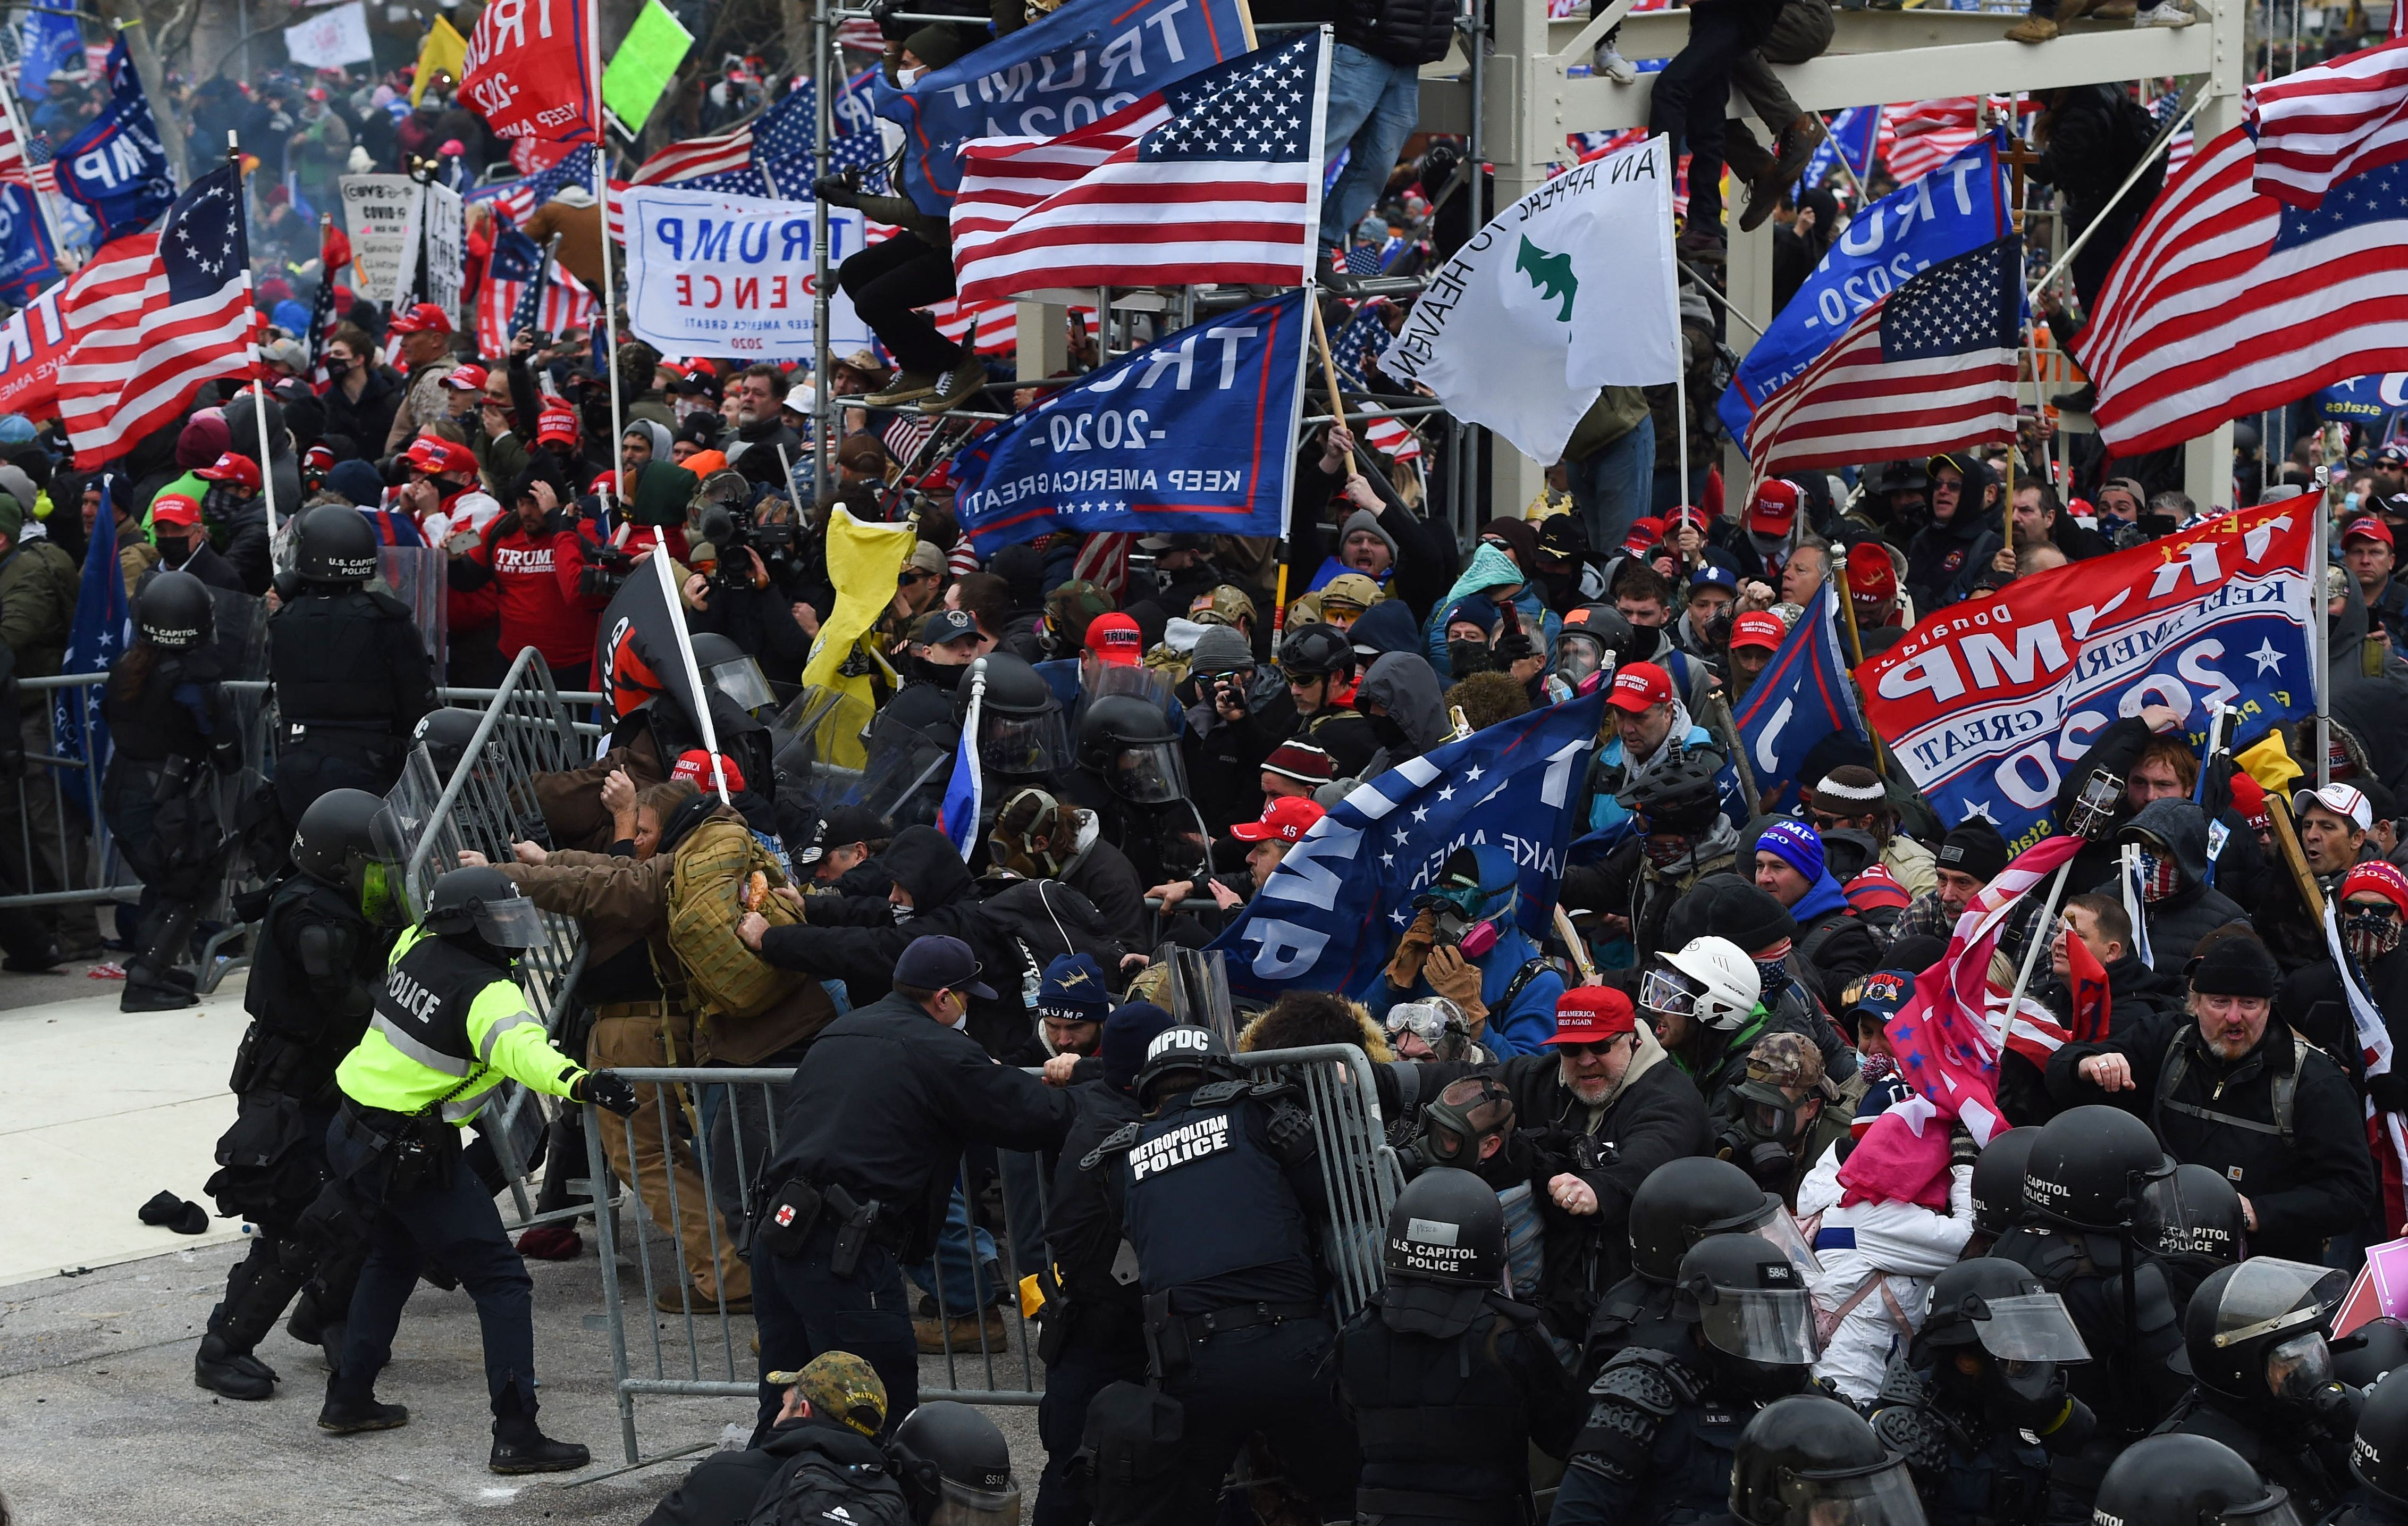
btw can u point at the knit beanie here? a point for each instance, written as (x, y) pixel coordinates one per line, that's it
(1126, 1034)
(1975, 848)
(1794, 843)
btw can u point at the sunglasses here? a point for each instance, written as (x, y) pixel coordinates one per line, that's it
(1601, 1047)
(1825, 823)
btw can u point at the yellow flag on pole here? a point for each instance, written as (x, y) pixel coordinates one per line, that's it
(864, 559)
(444, 50)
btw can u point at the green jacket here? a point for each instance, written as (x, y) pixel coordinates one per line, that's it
(37, 601)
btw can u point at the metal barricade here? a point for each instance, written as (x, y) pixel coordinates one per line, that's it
(1359, 1171)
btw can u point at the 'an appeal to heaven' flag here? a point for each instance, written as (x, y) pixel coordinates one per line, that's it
(1802, 697)
(1195, 434)
(117, 169)
(2225, 302)
(1958, 207)
(1571, 290)
(1326, 918)
(1216, 178)
(1928, 368)
(2319, 126)
(1084, 61)
(1988, 702)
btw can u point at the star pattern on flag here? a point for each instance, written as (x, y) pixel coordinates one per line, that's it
(202, 245)
(1363, 337)
(1262, 112)
(1961, 305)
(2374, 195)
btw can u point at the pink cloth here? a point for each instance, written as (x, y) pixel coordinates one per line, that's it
(1894, 1164)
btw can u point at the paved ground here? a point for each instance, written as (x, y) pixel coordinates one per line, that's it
(100, 1422)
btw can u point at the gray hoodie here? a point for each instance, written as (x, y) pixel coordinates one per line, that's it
(1406, 686)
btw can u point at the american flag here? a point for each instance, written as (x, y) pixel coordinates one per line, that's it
(1363, 337)
(518, 199)
(1103, 560)
(2225, 302)
(2385, 1137)
(905, 436)
(2162, 110)
(154, 315)
(768, 156)
(1214, 179)
(2318, 127)
(1928, 368)
(333, 253)
(25, 154)
(1929, 134)
(1388, 435)
(509, 301)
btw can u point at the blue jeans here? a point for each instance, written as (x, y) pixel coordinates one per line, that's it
(962, 1276)
(1374, 104)
(1613, 489)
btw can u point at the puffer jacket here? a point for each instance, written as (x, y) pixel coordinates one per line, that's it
(1402, 32)
(1904, 1243)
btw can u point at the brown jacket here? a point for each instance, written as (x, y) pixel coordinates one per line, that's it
(572, 800)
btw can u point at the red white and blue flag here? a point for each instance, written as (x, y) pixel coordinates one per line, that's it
(2318, 127)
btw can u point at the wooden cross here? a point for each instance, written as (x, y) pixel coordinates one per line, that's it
(2015, 156)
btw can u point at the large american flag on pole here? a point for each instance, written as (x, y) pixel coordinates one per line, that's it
(1216, 178)
(2318, 127)
(1928, 368)
(2225, 302)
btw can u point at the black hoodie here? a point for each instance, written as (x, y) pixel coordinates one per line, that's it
(726, 1486)
(2177, 922)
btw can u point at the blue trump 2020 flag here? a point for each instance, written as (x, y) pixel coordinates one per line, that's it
(1958, 207)
(27, 262)
(104, 624)
(116, 167)
(1086, 61)
(1196, 433)
(1331, 912)
(1802, 697)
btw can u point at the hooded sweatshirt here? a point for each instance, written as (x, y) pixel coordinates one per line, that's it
(1403, 685)
(1518, 1027)
(2177, 922)
(1490, 567)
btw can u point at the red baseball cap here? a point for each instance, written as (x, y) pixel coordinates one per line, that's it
(425, 318)
(438, 456)
(465, 378)
(1114, 639)
(695, 766)
(558, 423)
(175, 509)
(2384, 879)
(2368, 528)
(1774, 506)
(1757, 627)
(1644, 532)
(2249, 799)
(1685, 513)
(230, 467)
(1591, 1015)
(1640, 685)
(1872, 576)
(1286, 820)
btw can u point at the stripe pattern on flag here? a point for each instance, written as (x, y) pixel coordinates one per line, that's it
(2321, 125)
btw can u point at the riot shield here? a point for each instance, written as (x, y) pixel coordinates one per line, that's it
(1197, 990)
(415, 575)
(905, 776)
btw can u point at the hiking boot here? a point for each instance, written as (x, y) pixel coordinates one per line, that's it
(2033, 29)
(1745, 158)
(671, 1300)
(907, 388)
(519, 1448)
(349, 1417)
(1799, 141)
(1607, 63)
(237, 1375)
(965, 1332)
(958, 386)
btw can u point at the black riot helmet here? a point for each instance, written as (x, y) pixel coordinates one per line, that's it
(2374, 1348)
(336, 546)
(1755, 1318)
(954, 1467)
(1682, 1202)
(336, 845)
(175, 613)
(1021, 733)
(2186, 1480)
(2194, 1213)
(484, 904)
(1447, 1227)
(1182, 1058)
(1129, 742)
(2021, 1328)
(1998, 1179)
(2379, 1457)
(1808, 1459)
(732, 671)
(2256, 1331)
(1316, 651)
(2089, 1166)
(446, 732)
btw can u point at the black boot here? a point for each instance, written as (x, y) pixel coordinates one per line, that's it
(345, 1415)
(237, 1375)
(519, 1448)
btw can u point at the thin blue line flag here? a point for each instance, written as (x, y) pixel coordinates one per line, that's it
(1333, 909)
(1802, 697)
(103, 625)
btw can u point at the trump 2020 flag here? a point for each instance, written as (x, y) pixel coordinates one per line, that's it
(1571, 290)
(1329, 914)
(1193, 434)
(116, 167)
(1802, 697)
(104, 624)
(957, 817)
(1988, 707)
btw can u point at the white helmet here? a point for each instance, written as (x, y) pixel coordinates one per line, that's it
(1711, 981)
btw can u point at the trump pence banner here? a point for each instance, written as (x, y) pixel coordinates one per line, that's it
(713, 274)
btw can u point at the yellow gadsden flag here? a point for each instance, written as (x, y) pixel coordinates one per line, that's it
(445, 50)
(862, 561)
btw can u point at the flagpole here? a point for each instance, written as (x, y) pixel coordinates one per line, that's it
(660, 560)
(1679, 369)
(258, 392)
(2319, 638)
(610, 303)
(16, 115)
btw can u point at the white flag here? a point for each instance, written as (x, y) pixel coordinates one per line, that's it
(1572, 288)
(331, 39)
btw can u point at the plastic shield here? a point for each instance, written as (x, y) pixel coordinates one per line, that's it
(415, 575)
(1197, 991)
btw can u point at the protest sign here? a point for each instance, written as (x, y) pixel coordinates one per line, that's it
(714, 274)
(384, 215)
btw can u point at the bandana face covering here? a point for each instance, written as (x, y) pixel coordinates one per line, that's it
(1664, 852)
(2160, 878)
(2369, 932)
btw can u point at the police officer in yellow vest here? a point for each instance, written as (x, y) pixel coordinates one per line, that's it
(449, 1026)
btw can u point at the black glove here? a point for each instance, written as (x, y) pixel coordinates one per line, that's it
(838, 190)
(1511, 648)
(1288, 1135)
(604, 1089)
(2389, 1091)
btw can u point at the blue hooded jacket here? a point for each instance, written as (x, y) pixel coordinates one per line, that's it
(1529, 1021)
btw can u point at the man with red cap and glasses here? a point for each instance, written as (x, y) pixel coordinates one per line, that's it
(184, 546)
(2367, 545)
(425, 333)
(232, 510)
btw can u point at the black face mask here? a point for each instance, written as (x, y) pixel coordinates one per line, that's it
(1465, 658)
(174, 552)
(222, 501)
(1387, 730)
(336, 369)
(944, 676)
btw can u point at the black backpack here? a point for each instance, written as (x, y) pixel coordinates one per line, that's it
(812, 1488)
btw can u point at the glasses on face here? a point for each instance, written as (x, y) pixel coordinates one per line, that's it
(1825, 822)
(1593, 1051)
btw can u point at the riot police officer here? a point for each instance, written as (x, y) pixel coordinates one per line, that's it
(1220, 1194)
(1680, 1203)
(1978, 1404)
(324, 935)
(167, 715)
(1809, 1460)
(2378, 1459)
(449, 1026)
(1662, 1425)
(1450, 1381)
(2262, 1376)
(2192, 1222)
(1133, 776)
(2189, 1481)
(350, 667)
(1998, 1187)
(954, 1467)
(2086, 1174)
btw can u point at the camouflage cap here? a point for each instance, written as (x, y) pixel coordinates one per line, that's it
(842, 1386)
(1350, 588)
(1074, 606)
(1787, 1060)
(1223, 606)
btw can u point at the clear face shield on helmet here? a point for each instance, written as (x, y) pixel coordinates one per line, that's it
(1774, 1326)
(1578, 656)
(514, 923)
(1148, 773)
(2276, 1509)
(742, 682)
(1025, 746)
(373, 881)
(1106, 681)
(959, 1504)
(1881, 1495)
(1668, 992)
(2268, 1295)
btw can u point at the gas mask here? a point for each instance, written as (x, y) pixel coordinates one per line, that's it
(2300, 1368)
(1450, 1138)
(2159, 877)
(2369, 932)
(2025, 1393)
(1451, 913)
(1761, 1140)
(1022, 839)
